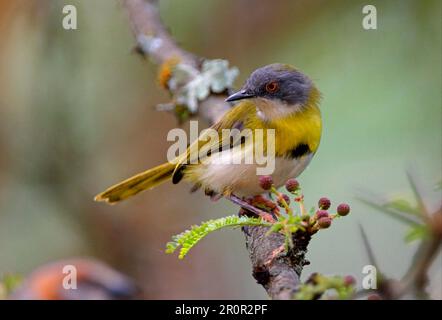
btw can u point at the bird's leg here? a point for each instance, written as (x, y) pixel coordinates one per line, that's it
(243, 204)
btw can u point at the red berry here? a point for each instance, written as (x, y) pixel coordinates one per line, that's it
(343, 209)
(324, 203)
(292, 185)
(349, 281)
(266, 182)
(321, 214)
(324, 222)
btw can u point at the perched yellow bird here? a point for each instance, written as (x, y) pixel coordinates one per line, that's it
(276, 97)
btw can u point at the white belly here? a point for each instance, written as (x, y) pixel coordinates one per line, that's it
(242, 178)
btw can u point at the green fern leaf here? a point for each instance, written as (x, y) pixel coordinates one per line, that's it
(189, 238)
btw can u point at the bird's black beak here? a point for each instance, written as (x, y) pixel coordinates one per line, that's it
(243, 94)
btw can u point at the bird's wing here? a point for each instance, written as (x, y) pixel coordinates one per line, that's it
(207, 144)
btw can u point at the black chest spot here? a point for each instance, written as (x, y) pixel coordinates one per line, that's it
(299, 151)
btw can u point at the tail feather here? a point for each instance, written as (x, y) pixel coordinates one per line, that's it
(140, 182)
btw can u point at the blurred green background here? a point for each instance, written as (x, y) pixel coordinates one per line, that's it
(77, 114)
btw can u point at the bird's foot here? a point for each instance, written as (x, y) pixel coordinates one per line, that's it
(243, 204)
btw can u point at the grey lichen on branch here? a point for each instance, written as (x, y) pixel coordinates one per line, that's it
(154, 41)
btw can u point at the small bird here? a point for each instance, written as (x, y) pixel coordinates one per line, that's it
(276, 97)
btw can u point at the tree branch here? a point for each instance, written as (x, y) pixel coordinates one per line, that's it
(278, 272)
(152, 37)
(154, 41)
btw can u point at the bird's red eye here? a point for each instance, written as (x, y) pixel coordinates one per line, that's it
(272, 87)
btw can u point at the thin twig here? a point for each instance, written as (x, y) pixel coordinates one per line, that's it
(155, 41)
(368, 248)
(418, 194)
(152, 37)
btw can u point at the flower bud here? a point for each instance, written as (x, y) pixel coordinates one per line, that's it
(349, 281)
(321, 214)
(292, 185)
(343, 209)
(266, 182)
(324, 222)
(324, 203)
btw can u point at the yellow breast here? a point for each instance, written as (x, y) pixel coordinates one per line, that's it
(301, 128)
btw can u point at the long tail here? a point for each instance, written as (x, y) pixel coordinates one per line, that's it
(142, 181)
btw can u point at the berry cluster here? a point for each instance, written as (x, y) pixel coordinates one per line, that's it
(310, 221)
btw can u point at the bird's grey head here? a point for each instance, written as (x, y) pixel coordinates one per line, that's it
(276, 82)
